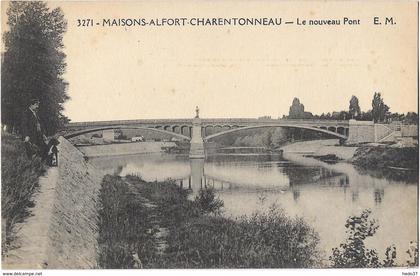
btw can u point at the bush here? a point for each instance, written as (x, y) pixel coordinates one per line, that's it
(195, 234)
(353, 253)
(124, 226)
(19, 178)
(207, 202)
(261, 241)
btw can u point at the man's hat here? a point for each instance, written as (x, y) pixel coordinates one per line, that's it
(34, 101)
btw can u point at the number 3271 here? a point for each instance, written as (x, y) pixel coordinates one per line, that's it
(84, 22)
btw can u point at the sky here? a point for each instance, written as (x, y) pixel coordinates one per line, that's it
(237, 71)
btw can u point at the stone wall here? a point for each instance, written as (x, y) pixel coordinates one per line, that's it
(367, 131)
(410, 131)
(62, 231)
(361, 131)
(383, 131)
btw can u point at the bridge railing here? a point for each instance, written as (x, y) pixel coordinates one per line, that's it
(204, 122)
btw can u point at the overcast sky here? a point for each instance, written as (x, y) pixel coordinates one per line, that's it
(233, 71)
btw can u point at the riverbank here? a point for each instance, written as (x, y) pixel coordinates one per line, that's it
(387, 157)
(61, 231)
(321, 148)
(366, 156)
(164, 229)
(19, 178)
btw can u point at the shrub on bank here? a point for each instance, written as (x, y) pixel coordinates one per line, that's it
(270, 240)
(19, 179)
(197, 236)
(353, 253)
(383, 157)
(124, 226)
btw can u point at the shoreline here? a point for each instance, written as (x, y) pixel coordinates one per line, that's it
(366, 156)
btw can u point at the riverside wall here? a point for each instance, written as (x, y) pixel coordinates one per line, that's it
(62, 231)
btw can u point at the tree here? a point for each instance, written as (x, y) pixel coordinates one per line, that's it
(411, 118)
(33, 64)
(297, 111)
(379, 108)
(366, 116)
(278, 137)
(353, 253)
(354, 108)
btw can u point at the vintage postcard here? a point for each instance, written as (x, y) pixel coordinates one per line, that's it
(209, 134)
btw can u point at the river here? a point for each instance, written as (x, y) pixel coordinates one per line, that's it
(325, 195)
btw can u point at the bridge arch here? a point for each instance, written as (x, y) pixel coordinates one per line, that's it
(338, 135)
(185, 130)
(341, 130)
(206, 129)
(332, 129)
(176, 129)
(85, 131)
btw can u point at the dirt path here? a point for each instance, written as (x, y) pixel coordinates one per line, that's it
(32, 235)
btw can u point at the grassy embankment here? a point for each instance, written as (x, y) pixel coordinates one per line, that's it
(395, 163)
(19, 179)
(154, 225)
(380, 157)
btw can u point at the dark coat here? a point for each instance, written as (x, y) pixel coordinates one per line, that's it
(32, 127)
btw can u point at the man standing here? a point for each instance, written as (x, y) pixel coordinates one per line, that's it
(32, 131)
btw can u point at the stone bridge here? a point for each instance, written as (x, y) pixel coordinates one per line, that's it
(198, 130)
(210, 128)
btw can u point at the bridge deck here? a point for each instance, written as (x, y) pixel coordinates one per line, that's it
(209, 121)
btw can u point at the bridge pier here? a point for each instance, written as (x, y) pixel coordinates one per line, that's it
(197, 144)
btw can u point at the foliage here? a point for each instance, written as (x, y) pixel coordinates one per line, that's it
(353, 253)
(413, 255)
(124, 226)
(19, 179)
(354, 108)
(33, 64)
(379, 112)
(273, 137)
(411, 118)
(171, 202)
(207, 201)
(366, 116)
(383, 157)
(269, 240)
(297, 111)
(379, 108)
(194, 238)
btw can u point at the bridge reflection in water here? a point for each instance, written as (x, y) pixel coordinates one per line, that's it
(325, 195)
(236, 174)
(239, 174)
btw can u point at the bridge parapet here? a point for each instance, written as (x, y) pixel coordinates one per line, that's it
(204, 122)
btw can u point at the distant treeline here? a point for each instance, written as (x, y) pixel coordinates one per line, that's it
(379, 112)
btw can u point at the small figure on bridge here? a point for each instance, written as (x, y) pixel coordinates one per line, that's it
(197, 111)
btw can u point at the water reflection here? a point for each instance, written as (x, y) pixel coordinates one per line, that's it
(354, 196)
(197, 174)
(324, 194)
(378, 195)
